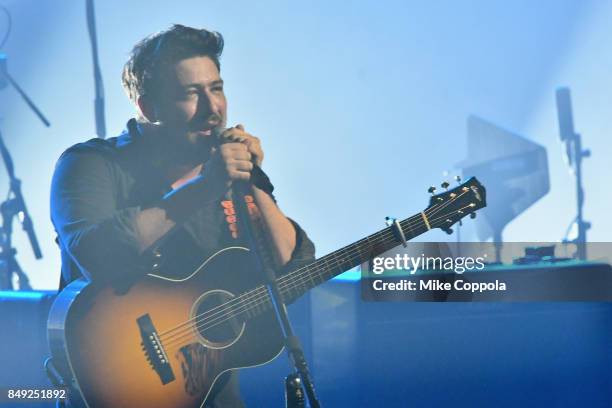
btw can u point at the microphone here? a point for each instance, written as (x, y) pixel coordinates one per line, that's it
(218, 131)
(216, 135)
(566, 121)
(258, 177)
(218, 140)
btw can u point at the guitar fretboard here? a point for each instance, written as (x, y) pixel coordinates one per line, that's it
(296, 283)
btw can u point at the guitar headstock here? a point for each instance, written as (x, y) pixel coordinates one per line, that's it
(446, 208)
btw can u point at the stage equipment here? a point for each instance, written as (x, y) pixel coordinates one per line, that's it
(294, 394)
(5, 77)
(98, 83)
(514, 169)
(15, 204)
(575, 154)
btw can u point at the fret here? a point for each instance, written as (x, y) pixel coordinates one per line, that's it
(298, 282)
(344, 259)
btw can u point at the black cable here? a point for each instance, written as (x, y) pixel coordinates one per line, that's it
(9, 25)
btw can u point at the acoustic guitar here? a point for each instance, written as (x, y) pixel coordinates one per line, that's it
(166, 341)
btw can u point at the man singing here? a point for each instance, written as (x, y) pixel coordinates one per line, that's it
(159, 193)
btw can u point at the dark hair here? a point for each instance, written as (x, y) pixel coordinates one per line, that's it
(141, 73)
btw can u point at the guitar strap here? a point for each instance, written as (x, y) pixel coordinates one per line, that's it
(260, 236)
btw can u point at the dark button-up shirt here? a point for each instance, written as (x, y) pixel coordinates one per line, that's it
(98, 188)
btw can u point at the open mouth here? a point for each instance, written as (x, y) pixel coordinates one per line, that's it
(206, 130)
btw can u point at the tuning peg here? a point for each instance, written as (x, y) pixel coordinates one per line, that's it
(431, 190)
(448, 230)
(445, 185)
(458, 179)
(473, 215)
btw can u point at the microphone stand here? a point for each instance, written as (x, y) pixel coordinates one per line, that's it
(292, 343)
(4, 75)
(15, 203)
(575, 155)
(98, 83)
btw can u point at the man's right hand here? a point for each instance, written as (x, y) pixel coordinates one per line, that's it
(236, 161)
(228, 162)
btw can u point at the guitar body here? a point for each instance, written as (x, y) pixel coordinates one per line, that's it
(97, 336)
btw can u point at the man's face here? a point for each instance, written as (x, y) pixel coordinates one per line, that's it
(192, 103)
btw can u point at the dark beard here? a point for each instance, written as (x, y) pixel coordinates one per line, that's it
(172, 152)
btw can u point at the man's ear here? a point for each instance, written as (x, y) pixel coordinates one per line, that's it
(147, 109)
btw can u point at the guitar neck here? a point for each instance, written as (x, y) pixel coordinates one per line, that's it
(296, 283)
(444, 210)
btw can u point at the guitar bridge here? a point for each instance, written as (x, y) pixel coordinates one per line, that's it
(154, 350)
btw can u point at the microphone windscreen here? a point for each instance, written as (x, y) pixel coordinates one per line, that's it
(564, 113)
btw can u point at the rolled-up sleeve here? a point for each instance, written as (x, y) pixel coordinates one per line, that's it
(97, 235)
(304, 252)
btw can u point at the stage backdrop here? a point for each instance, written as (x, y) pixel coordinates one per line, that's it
(360, 105)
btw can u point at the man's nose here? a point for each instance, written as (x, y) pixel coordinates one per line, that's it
(208, 105)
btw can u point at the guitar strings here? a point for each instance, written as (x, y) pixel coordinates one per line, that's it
(257, 291)
(286, 283)
(289, 275)
(256, 298)
(260, 299)
(384, 234)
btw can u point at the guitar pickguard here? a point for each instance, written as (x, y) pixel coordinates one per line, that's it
(197, 362)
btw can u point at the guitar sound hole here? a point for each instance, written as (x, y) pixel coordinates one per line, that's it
(217, 326)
